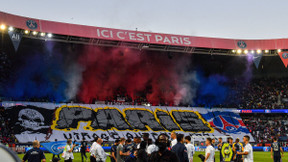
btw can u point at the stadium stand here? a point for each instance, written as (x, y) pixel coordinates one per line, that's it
(6, 133)
(266, 126)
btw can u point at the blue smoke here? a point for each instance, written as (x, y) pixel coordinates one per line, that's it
(38, 76)
(211, 90)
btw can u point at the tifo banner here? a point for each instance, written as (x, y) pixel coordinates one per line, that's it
(49, 121)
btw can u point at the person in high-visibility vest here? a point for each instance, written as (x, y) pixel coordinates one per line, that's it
(226, 151)
(68, 151)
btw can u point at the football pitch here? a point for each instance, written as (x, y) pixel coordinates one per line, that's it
(258, 157)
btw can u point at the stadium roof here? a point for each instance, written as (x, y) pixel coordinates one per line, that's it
(137, 39)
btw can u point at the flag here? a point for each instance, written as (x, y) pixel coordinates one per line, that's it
(284, 57)
(257, 58)
(15, 38)
(56, 147)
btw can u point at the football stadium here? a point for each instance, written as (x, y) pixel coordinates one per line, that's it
(72, 92)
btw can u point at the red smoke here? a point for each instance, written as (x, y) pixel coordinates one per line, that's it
(108, 70)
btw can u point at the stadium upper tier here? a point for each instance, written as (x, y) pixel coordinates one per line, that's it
(137, 39)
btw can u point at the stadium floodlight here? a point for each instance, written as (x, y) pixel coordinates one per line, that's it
(233, 51)
(245, 51)
(266, 51)
(26, 31)
(279, 50)
(239, 51)
(42, 34)
(252, 51)
(3, 27)
(10, 28)
(34, 32)
(259, 51)
(49, 35)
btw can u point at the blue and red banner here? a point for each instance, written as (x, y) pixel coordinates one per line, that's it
(226, 122)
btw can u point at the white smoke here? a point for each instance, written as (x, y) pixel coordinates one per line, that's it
(187, 89)
(73, 78)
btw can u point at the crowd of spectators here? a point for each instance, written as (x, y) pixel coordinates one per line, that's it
(263, 94)
(6, 134)
(264, 127)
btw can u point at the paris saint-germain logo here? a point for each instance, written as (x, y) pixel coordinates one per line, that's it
(31, 24)
(57, 148)
(226, 122)
(241, 44)
(284, 55)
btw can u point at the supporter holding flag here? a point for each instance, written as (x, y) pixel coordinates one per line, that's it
(248, 150)
(190, 148)
(180, 149)
(276, 149)
(55, 154)
(209, 151)
(163, 154)
(34, 154)
(68, 151)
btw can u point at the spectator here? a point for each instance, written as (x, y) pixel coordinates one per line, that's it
(54, 154)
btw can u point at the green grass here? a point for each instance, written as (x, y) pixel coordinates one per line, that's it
(258, 157)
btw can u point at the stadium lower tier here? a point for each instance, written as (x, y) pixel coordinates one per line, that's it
(26, 121)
